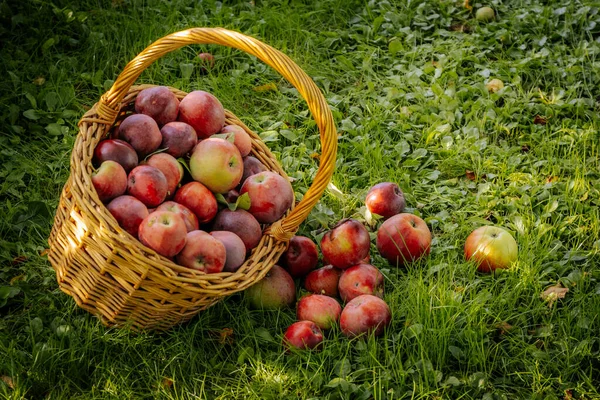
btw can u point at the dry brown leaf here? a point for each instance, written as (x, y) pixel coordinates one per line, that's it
(315, 156)
(226, 336)
(525, 148)
(18, 260)
(167, 382)
(460, 28)
(39, 81)
(504, 327)
(553, 293)
(8, 380)
(269, 87)
(471, 175)
(44, 252)
(552, 179)
(568, 394)
(540, 120)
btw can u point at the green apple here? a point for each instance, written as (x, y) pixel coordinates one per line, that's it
(485, 14)
(217, 164)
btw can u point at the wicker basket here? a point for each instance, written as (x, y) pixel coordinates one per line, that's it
(110, 273)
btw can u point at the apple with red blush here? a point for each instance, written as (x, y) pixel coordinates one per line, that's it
(275, 291)
(110, 180)
(148, 184)
(240, 222)
(178, 138)
(403, 238)
(323, 281)
(159, 103)
(198, 199)
(141, 132)
(360, 279)
(170, 167)
(234, 248)
(271, 195)
(346, 244)
(164, 232)
(365, 314)
(241, 139)
(303, 335)
(322, 310)
(202, 252)
(491, 247)
(129, 213)
(191, 222)
(203, 111)
(385, 199)
(217, 164)
(301, 256)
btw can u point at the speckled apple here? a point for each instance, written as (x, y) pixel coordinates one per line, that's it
(203, 111)
(301, 256)
(360, 279)
(322, 310)
(148, 184)
(365, 314)
(164, 232)
(202, 252)
(323, 281)
(346, 244)
(271, 195)
(159, 103)
(303, 335)
(275, 291)
(129, 213)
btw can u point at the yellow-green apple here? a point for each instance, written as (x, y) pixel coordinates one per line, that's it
(323, 281)
(141, 132)
(203, 111)
(365, 314)
(403, 238)
(276, 290)
(148, 184)
(217, 164)
(346, 244)
(360, 279)
(303, 335)
(110, 180)
(234, 248)
(178, 138)
(202, 252)
(116, 150)
(164, 232)
(301, 256)
(129, 213)
(199, 199)
(252, 166)
(170, 167)
(322, 310)
(159, 103)
(385, 199)
(271, 195)
(240, 138)
(191, 222)
(240, 222)
(485, 14)
(491, 247)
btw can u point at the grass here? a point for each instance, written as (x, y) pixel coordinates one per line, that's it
(406, 83)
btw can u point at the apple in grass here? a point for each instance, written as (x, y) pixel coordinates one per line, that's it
(159, 103)
(491, 247)
(346, 244)
(485, 14)
(323, 281)
(403, 238)
(202, 252)
(203, 111)
(141, 132)
(360, 279)
(301, 256)
(191, 222)
(240, 222)
(129, 213)
(164, 232)
(365, 314)
(217, 164)
(110, 180)
(241, 139)
(322, 310)
(234, 248)
(148, 184)
(385, 199)
(170, 167)
(198, 199)
(303, 335)
(275, 291)
(271, 195)
(178, 138)
(116, 150)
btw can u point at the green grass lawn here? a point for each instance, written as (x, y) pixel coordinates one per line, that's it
(406, 81)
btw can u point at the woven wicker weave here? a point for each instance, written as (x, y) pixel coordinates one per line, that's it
(110, 273)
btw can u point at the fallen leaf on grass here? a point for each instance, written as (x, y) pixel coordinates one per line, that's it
(18, 260)
(554, 293)
(460, 28)
(167, 382)
(471, 175)
(504, 327)
(552, 179)
(269, 87)
(525, 148)
(8, 380)
(540, 120)
(226, 336)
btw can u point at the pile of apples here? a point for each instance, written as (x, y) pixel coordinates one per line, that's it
(208, 219)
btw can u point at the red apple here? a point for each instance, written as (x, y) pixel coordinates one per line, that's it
(346, 244)
(303, 335)
(323, 281)
(178, 138)
(360, 279)
(271, 195)
(191, 222)
(364, 314)
(252, 166)
(234, 247)
(110, 180)
(116, 150)
(240, 138)
(240, 222)
(208, 60)
(385, 199)
(129, 213)
(202, 252)
(159, 103)
(170, 167)
(231, 196)
(148, 184)
(301, 256)
(141, 132)
(491, 247)
(164, 232)
(203, 111)
(403, 238)
(276, 290)
(199, 199)
(217, 164)
(322, 310)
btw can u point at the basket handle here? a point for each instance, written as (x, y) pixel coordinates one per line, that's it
(284, 229)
